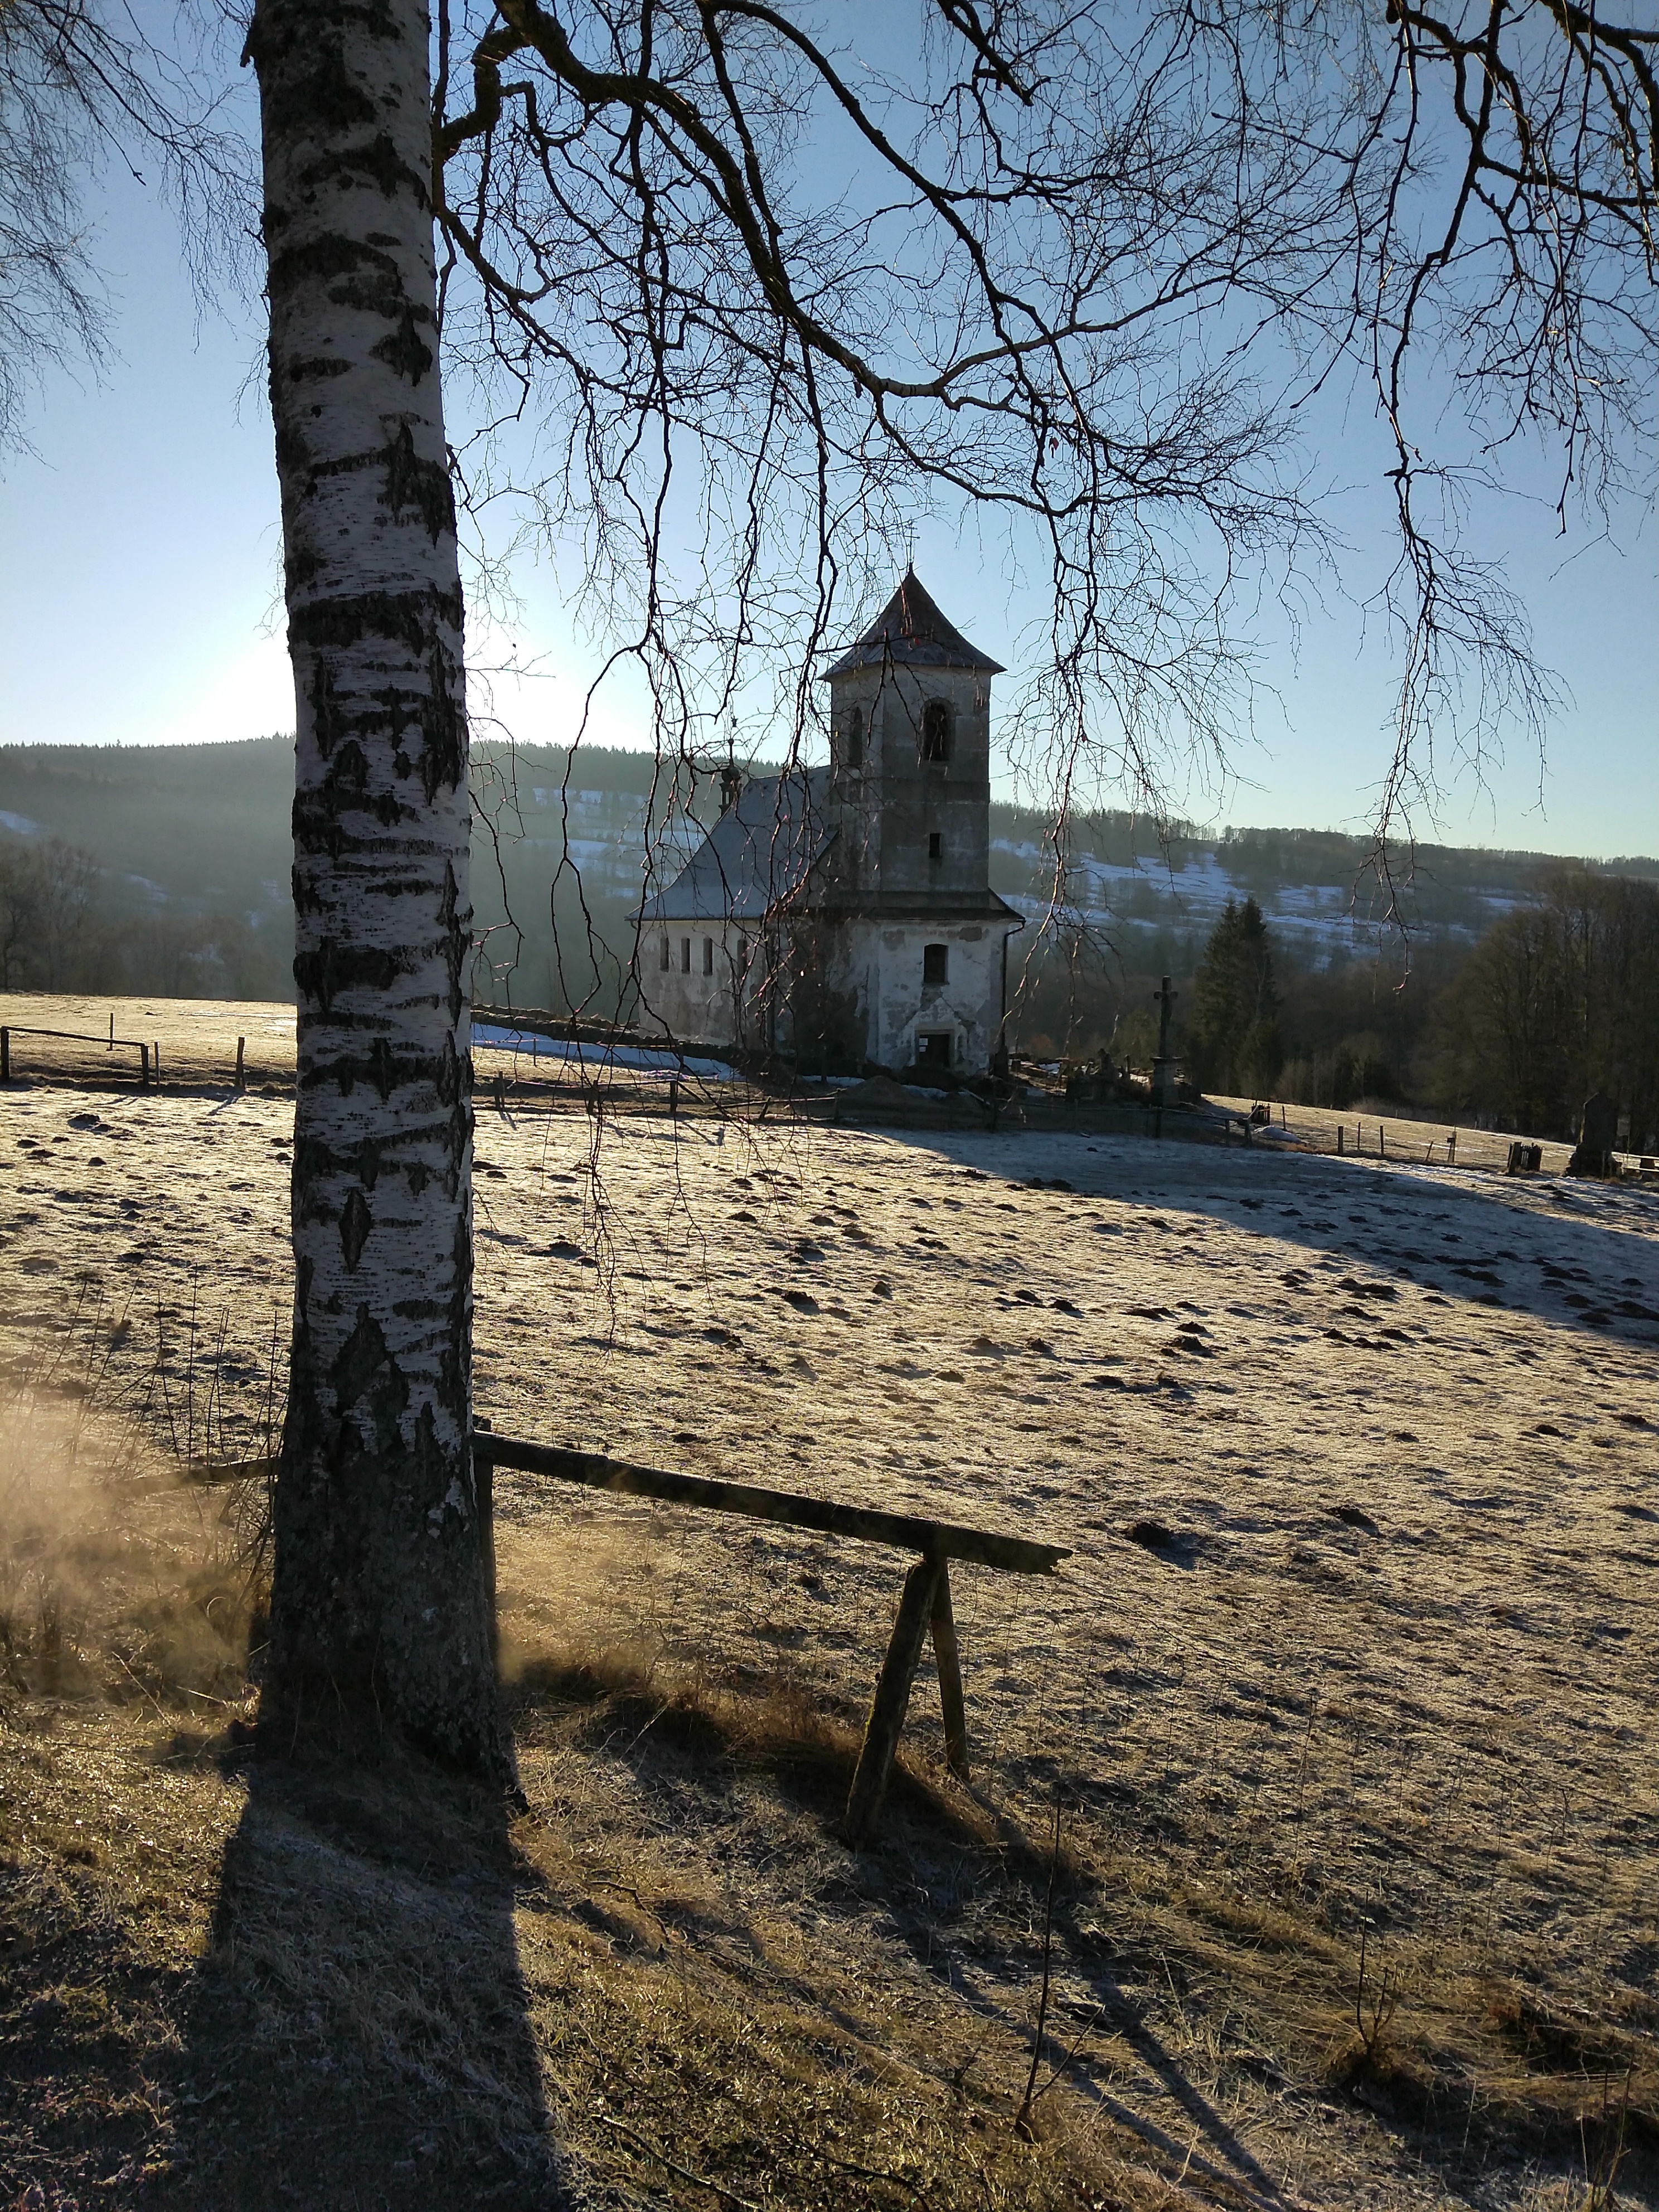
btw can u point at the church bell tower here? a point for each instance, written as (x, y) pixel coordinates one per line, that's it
(910, 759)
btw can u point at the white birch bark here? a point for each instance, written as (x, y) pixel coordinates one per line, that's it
(378, 1604)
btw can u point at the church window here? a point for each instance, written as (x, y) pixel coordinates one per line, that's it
(935, 845)
(935, 964)
(933, 1049)
(936, 731)
(855, 738)
(685, 955)
(708, 955)
(663, 961)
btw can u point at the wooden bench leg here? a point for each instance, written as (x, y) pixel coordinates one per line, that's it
(483, 1490)
(887, 1707)
(949, 1658)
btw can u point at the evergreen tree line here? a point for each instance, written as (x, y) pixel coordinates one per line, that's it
(1560, 999)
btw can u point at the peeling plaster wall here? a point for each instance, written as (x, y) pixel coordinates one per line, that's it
(726, 1008)
(903, 1008)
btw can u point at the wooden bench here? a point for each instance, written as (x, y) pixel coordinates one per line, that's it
(924, 1606)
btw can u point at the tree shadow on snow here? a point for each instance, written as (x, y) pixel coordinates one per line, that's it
(359, 2031)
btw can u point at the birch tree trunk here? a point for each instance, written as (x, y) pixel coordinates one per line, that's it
(377, 1607)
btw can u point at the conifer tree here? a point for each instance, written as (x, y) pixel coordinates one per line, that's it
(1235, 1045)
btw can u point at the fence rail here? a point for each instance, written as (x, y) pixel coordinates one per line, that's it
(110, 1043)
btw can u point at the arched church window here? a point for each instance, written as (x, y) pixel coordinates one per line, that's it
(936, 731)
(854, 738)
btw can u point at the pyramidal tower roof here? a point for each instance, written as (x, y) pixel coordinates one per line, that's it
(910, 632)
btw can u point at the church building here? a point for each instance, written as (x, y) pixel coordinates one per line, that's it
(843, 916)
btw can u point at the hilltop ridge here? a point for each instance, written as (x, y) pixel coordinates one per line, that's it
(203, 827)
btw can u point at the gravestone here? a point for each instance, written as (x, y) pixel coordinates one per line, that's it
(1598, 1132)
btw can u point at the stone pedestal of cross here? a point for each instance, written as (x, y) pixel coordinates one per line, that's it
(1163, 1067)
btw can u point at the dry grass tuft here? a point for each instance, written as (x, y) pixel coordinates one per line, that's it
(118, 1579)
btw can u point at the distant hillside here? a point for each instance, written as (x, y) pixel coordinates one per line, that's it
(201, 830)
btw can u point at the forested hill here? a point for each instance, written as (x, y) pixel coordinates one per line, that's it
(182, 835)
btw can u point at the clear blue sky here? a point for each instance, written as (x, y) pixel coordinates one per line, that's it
(139, 583)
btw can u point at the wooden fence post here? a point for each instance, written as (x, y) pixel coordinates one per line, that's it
(887, 1707)
(5, 1055)
(242, 1070)
(949, 1660)
(483, 1490)
(143, 1067)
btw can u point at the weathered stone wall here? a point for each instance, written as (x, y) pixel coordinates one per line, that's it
(888, 808)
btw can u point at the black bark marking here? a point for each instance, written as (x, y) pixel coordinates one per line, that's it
(432, 1470)
(302, 566)
(456, 1364)
(306, 899)
(346, 788)
(355, 1223)
(406, 353)
(318, 369)
(376, 161)
(406, 618)
(346, 784)
(382, 1066)
(449, 1074)
(368, 1163)
(419, 1176)
(365, 1374)
(334, 257)
(423, 485)
(456, 949)
(314, 101)
(443, 761)
(333, 968)
(293, 451)
(457, 944)
(328, 717)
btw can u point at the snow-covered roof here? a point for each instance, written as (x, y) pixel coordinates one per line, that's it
(758, 855)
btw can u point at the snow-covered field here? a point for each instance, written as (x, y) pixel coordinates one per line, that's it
(1355, 1460)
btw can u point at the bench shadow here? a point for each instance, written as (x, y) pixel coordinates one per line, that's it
(359, 2033)
(1208, 2147)
(937, 1848)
